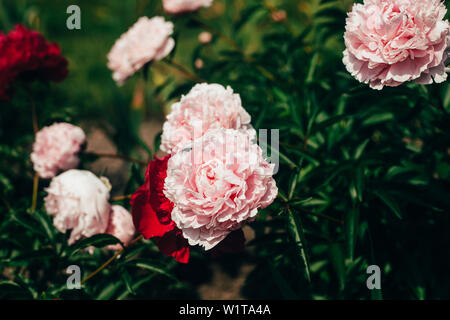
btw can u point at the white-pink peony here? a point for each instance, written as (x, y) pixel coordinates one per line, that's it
(120, 226)
(56, 148)
(216, 183)
(147, 40)
(78, 200)
(180, 6)
(206, 106)
(389, 42)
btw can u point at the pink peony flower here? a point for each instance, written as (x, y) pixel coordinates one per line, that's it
(180, 6)
(205, 37)
(78, 200)
(216, 183)
(120, 226)
(206, 106)
(56, 148)
(147, 40)
(393, 41)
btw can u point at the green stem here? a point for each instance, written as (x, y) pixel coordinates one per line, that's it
(103, 266)
(181, 70)
(35, 191)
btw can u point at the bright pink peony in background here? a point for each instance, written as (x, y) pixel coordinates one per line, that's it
(393, 41)
(216, 183)
(206, 106)
(78, 200)
(147, 40)
(120, 225)
(179, 6)
(56, 148)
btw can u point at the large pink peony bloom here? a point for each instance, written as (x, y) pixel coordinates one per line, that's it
(78, 200)
(56, 148)
(393, 41)
(206, 106)
(216, 183)
(148, 39)
(120, 226)
(179, 6)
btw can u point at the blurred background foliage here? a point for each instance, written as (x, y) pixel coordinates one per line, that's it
(364, 175)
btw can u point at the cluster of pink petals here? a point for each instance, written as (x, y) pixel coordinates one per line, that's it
(120, 225)
(205, 107)
(147, 40)
(179, 6)
(216, 183)
(389, 42)
(56, 148)
(78, 200)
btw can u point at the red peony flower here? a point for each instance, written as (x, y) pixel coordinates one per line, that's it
(151, 212)
(26, 55)
(152, 218)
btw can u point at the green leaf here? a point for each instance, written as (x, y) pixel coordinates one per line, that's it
(98, 241)
(351, 228)
(283, 285)
(378, 118)
(109, 290)
(360, 149)
(135, 286)
(390, 203)
(246, 15)
(43, 218)
(150, 265)
(296, 231)
(127, 281)
(11, 290)
(338, 262)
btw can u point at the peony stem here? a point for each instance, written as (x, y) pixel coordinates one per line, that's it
(103, 266)
(182, 71)
(120, 198)
(34, 116)
(117, 156)
(35, 130)
(35, 191)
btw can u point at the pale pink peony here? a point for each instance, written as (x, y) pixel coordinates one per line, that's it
(56, 148)
(180, 6)
(78, 200)
(393, 41)
(120, 226)
(206, 106)
(216, 183)
(147, 40)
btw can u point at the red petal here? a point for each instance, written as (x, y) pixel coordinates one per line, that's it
(173, 244)
(145, 219)
(155, 176)
(151, 212)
